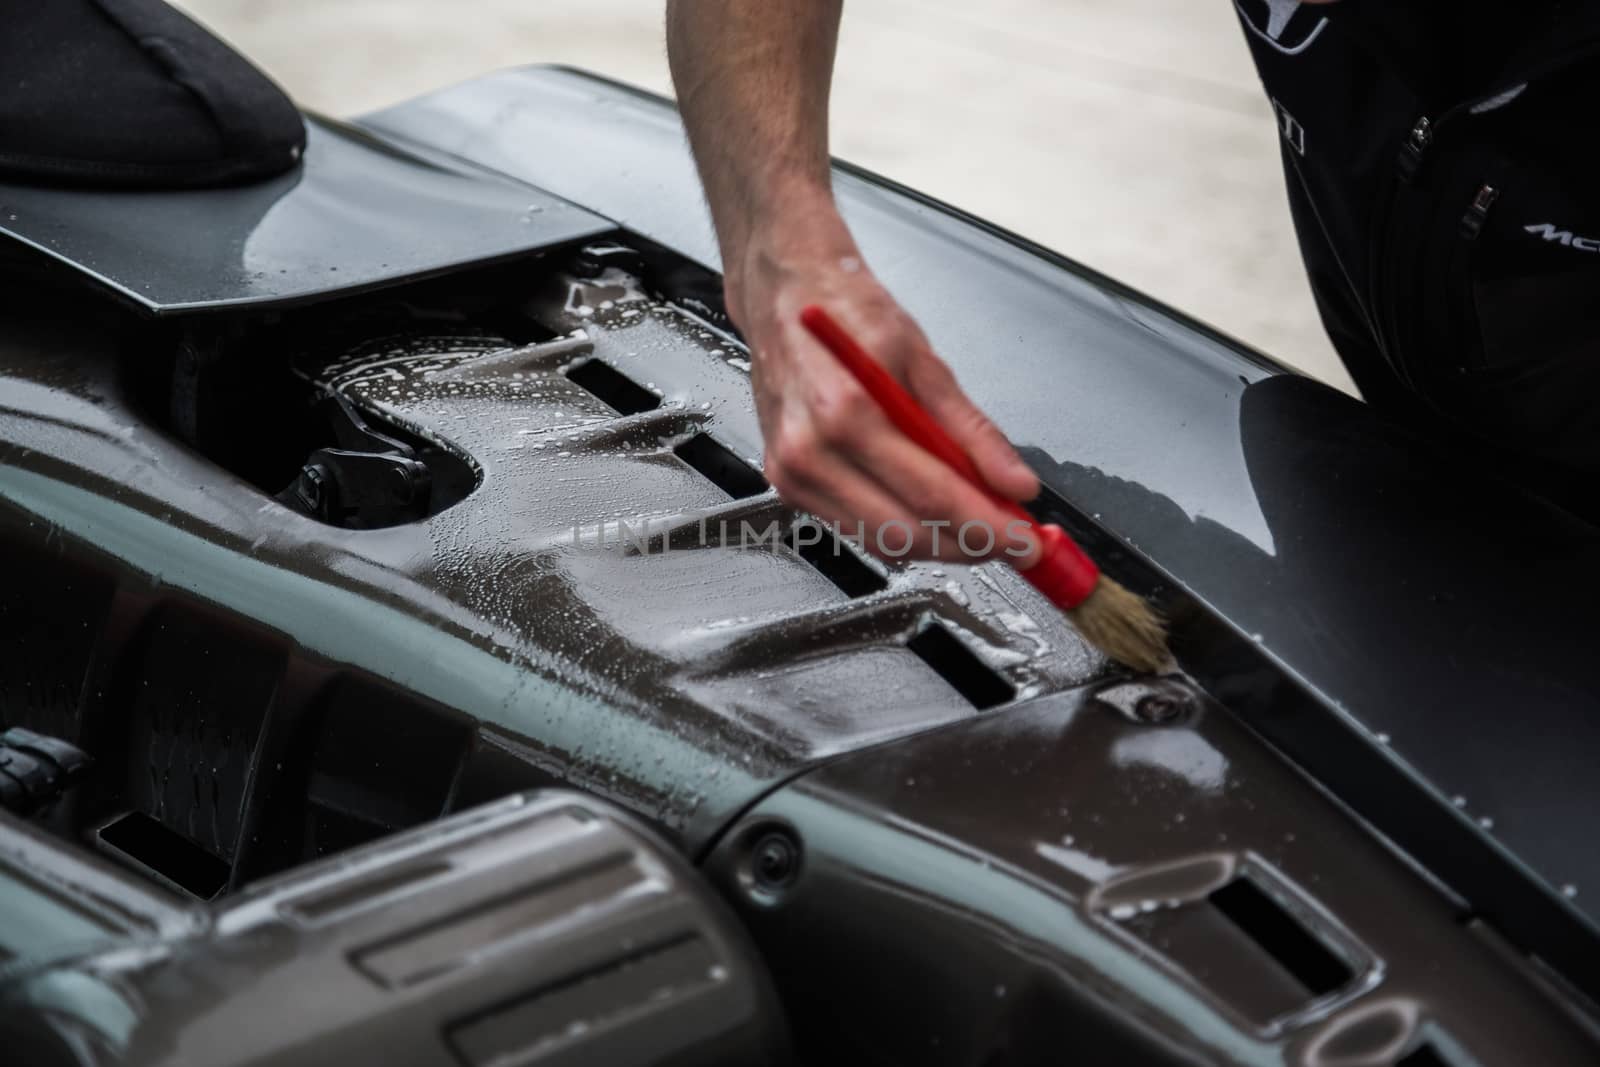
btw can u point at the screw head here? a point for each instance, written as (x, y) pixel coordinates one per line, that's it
(1158, 707)
(1156, 702)
(775, 860)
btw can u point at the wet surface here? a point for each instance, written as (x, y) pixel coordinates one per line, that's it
(1157, 892)
(1420, 627)
(675, 672)
(572, 490)
(686, 676)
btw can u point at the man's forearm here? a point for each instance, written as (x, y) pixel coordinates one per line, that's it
(752, 79)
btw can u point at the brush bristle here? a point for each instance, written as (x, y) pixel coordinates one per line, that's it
(1124, 627)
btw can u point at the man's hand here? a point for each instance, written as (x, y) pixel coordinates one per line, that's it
(829, 449)
(753, 84)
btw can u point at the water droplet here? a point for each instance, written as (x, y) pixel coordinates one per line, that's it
(1569, 890)
(999, 991)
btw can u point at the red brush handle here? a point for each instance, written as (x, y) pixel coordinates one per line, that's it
(901, 407)
(1063, 572)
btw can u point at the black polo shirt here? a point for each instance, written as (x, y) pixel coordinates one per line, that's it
(1445, 187)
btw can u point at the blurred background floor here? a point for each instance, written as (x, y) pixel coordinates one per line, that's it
(1129, 134)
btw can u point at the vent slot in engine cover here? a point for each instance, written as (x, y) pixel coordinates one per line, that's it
(727, 471)
(956, 664)
(615, 389)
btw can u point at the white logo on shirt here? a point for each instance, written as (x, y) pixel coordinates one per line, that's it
(1565, 237)
(1282, 23)
(1293, 132)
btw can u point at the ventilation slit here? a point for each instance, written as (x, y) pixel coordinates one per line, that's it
(837, 561)
(955, 663)
(727, 471)
(614, 388)
(1282, 936)
(149, 844)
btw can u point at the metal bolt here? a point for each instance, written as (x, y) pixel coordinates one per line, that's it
(775, 860)
(1158, 707)
(313, 480)
(1158, 702)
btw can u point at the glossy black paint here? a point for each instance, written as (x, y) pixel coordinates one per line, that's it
(759, 705)
(357, 213)
(1418, 623)
(1061, 883)
(544, 927)
(682, 682)
(1521, 731)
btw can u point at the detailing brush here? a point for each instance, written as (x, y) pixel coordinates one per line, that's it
(1110, 617)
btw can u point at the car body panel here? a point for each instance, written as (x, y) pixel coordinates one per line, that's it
(1434, 623)
(1031, 867)
(359, 213)
(451, 944)
(683, 683)
(1306, 553)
